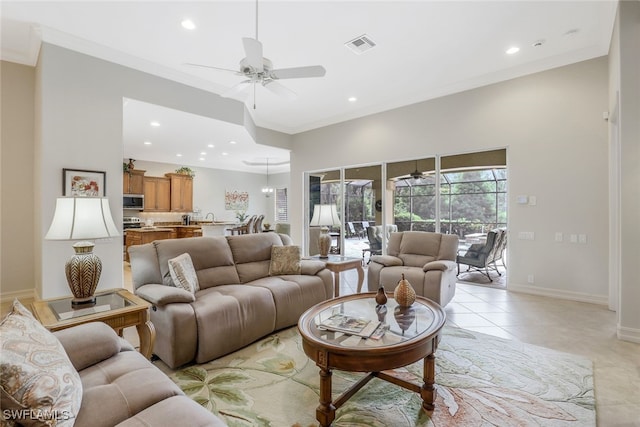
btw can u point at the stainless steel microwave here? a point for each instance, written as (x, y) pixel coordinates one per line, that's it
(133, 201)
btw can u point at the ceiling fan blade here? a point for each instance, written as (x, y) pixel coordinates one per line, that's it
(299, 72)
(280, 90)
(210, 67)
(253, 50)
(235, 90)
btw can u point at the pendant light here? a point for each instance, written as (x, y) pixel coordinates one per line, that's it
(267, 190)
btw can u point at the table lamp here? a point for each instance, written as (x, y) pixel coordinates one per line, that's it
(80, 218)
(324, 216)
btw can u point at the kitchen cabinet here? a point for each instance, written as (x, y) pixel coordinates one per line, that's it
(189, 231)
(157, 194)
(181, 192)
(140, 236)
(133, 182)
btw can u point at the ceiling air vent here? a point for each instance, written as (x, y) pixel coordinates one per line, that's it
(360, 44)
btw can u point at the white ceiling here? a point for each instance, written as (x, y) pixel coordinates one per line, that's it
(425, 49)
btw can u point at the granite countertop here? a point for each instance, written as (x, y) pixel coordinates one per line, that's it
(148, 229)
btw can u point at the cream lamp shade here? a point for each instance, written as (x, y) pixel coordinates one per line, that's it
(82, 218)
(324, 216)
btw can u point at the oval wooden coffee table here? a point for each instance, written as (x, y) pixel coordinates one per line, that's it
(413, 334)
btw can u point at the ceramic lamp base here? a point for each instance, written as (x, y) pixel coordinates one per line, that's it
(324, 242)
(83, 273)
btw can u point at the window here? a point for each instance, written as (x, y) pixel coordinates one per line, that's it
(282, 212)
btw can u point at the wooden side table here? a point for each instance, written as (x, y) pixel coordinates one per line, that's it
(338, 264)
(118, 308)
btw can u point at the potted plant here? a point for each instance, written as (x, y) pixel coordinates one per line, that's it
(241, 216)
(184, 170)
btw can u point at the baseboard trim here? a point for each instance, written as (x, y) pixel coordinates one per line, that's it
(628, 334)
(560, 294)
(10, 296)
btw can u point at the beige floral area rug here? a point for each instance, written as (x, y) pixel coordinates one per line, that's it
(481, 381)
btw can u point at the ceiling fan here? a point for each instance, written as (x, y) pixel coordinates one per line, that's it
(416, 174)
(259, 70)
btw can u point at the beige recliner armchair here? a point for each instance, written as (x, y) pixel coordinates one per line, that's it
(427, 260)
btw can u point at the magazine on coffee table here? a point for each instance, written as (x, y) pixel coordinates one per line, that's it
(349, 325)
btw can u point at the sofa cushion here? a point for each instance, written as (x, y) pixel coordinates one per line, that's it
(183, 274)
(229, 317)
(174, 411)
(37, 374)
(89, 343)
(284, 260)
(120, 387)
(211, 257)
(293, 295)
(252, 253)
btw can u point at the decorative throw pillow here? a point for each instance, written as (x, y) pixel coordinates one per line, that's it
(284, 260)
(39, 385)
(183, 273)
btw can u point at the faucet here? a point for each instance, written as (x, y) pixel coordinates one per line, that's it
(213, 218)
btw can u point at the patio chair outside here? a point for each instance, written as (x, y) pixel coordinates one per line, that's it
(482, 257)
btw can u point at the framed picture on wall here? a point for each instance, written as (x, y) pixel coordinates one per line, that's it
(83, 183)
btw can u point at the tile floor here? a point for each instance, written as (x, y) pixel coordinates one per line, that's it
(585, 329)
(573, 327)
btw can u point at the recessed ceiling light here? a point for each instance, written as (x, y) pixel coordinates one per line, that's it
(147, 143)
(513, 50)
(178, 155)
(232, 142)
(155, 124)
(201, 158)
(210, 145)
(352, 99)
(188, 24)
(225, 154)
(203, 153)
(538, 43)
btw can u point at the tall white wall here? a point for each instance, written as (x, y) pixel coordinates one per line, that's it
(79, 125)
(552, 126)
(624, 99)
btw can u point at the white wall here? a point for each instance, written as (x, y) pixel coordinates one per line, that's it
(625, 163)
(551, 124)
(79, 125)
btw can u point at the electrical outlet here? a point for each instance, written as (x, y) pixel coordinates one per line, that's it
(558, 237)
(530, 278)
(526, 235)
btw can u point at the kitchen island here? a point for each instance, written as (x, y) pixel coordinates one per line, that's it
(217, 228)
(140, 236)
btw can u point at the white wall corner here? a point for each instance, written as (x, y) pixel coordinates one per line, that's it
(628, 334)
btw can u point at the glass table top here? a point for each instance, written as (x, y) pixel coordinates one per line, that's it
(400, 324)
(63, 309)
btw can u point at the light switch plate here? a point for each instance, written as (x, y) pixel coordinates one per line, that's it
(533, 200)
(558, 237)
(582, 239)
(573, 238)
